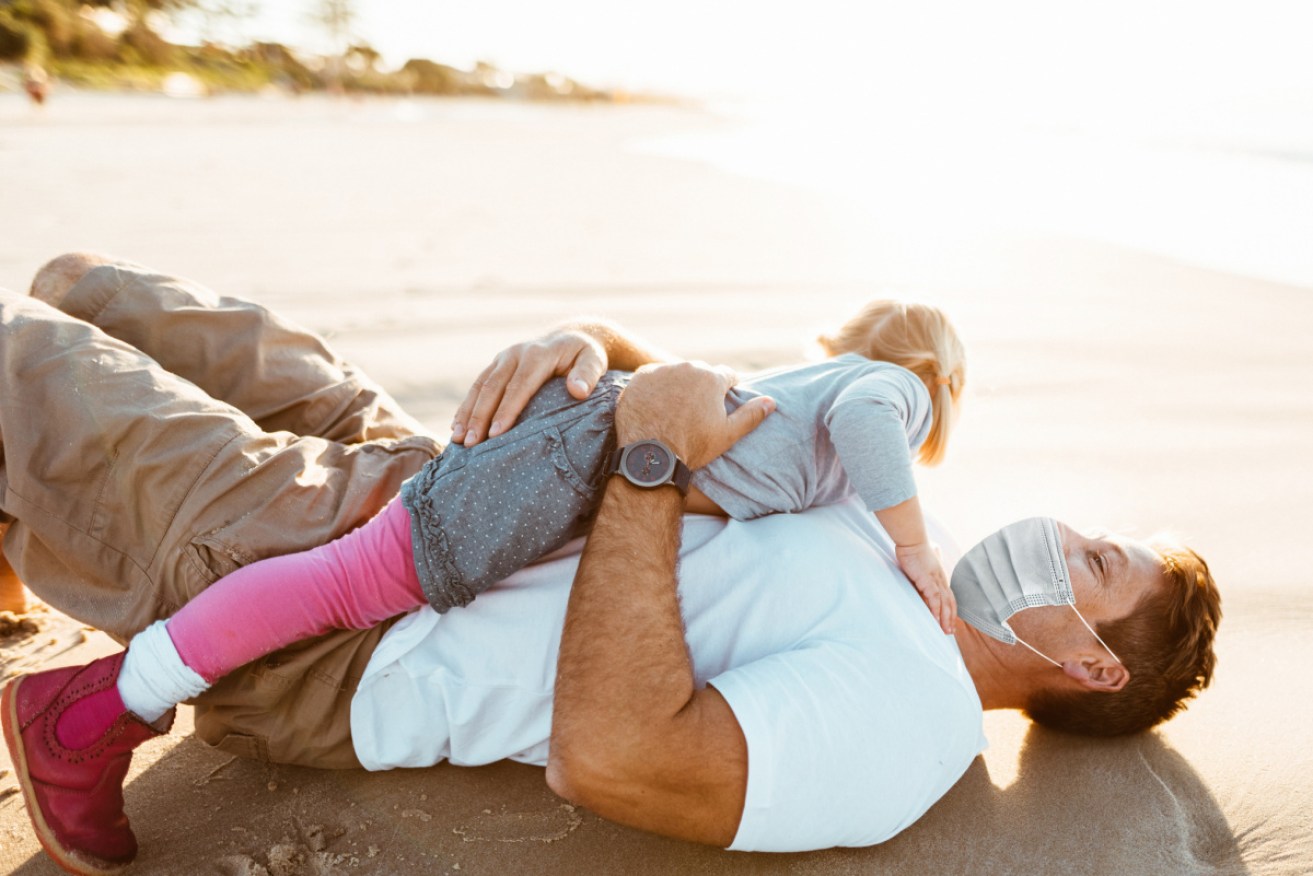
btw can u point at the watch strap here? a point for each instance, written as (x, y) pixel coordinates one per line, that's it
(681, 476)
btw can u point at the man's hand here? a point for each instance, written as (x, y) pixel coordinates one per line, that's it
(579, 351)
(684, 405)
(501, 391)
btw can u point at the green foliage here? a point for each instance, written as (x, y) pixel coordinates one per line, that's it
(138, 9)
(118, 76)
(284, 66)
(35, 30)
(141, 45)
(15, 37)
(55, 28)
(362, 58)
(56, 34)
(54, 20)
(428, 77)
(92, 44)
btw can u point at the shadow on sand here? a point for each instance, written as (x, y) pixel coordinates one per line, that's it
(1078, 806)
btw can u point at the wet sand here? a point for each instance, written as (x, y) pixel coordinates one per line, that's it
(1108, 388)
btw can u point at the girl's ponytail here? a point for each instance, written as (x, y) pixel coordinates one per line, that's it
(921, 339)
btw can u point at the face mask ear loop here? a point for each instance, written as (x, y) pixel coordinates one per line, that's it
(1096, 635)
(1036, 650)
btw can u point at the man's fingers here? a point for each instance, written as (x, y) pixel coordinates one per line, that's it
(518, 389)
(589, 366)
(730, 376)
(489, 397)
(532, 371)
(499, 395)
(749, 417)
(460, 422)
(539, 364)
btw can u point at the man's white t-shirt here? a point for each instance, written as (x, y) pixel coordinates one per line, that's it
(858, 711)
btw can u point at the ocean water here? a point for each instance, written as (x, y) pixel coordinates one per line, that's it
(1225, 184)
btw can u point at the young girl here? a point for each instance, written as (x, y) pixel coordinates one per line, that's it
(849, 424)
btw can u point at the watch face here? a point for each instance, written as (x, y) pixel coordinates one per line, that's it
(648, 463)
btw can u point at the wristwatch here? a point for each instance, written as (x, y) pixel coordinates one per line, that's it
(649, 464)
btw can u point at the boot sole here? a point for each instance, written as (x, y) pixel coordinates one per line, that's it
(67, 859)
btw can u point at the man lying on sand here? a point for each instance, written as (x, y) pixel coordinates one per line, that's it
(781, 691)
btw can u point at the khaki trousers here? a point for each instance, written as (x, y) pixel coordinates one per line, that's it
(156, 437)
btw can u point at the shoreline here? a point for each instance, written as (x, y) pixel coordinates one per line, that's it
(1258, 233)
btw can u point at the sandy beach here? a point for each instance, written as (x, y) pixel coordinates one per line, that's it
(1108, 387)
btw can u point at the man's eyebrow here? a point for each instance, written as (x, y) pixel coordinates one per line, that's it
(1122, 560)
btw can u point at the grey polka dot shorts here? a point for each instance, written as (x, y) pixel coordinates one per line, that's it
(479, 514)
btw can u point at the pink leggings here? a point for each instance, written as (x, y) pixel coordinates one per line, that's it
(355, 582)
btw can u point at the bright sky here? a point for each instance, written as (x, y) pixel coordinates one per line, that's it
(1143, 51)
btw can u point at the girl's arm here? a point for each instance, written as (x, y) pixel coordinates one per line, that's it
(873, 425)
(904, 523)
(919, 559)
(580, 350)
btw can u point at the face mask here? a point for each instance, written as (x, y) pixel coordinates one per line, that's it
(1020, 566)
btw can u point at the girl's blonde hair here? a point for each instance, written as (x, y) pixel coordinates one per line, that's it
(921, 339)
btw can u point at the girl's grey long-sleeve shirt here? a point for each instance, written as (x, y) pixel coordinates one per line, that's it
(846, 424)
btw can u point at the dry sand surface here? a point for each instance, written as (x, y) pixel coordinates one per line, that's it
(1109, 388)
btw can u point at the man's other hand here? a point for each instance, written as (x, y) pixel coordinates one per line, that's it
(501, 391)
(683, 404)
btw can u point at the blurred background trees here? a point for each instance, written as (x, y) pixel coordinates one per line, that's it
(118, 44)
(38, 30)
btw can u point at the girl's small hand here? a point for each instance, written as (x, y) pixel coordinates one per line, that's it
(924, 567)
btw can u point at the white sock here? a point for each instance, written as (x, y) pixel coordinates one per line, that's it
(153, 678)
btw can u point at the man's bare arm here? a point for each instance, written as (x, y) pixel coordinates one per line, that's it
(580, 350)
(633, 738)
(625, 350)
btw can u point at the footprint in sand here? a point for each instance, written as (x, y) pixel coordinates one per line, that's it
(520, 827)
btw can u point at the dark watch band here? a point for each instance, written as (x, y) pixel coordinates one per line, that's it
(649, 464)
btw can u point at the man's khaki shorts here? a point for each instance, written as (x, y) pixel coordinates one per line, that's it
(156, 437)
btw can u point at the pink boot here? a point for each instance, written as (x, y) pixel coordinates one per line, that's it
(75, 795)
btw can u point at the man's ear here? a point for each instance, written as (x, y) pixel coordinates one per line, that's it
(1097, 673)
